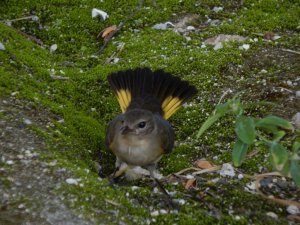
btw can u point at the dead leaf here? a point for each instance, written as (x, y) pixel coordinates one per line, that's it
(269, 36)
(203, 164)
(191, 183)
(105, 32)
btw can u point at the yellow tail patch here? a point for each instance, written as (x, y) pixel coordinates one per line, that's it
(170, 105)
(124, 99)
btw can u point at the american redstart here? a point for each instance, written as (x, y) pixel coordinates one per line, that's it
(141, 134)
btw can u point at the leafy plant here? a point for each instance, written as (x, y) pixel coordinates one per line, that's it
(250, 131)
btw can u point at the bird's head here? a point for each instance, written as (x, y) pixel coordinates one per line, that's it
(137, 122)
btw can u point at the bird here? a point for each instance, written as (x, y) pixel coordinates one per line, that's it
(142, 134)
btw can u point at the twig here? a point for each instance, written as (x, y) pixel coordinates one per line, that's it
(223, 95)
(183, 171)
(212, 169)
(18, 19)
(277, 200)
(291, 51)
(31, 37)
(54, 77)
(115, 54)
(112, 202)
(111, 34)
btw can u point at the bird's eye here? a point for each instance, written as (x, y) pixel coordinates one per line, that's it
(142, 124)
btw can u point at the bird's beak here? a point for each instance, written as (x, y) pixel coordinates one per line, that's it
(125, 129)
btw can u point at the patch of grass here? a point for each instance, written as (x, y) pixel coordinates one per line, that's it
(86, 104)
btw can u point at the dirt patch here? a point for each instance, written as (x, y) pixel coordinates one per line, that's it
(27, 181)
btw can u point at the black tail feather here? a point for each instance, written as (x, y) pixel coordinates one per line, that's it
(169, 91)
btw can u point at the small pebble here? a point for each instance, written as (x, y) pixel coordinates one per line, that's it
(298, 94)
(134, 188)
(240, 176)
(292, 209)
(227, 170)
(251, 186)
(190, 28)
(245, 47)
(272, 215)
(72, 181)
(2, 47)
(218, 46)
(155, 213)
(116, 60)
(53, 48)
(21, 206)
(189, 177)
(9, 162)
(27, 121)
(217, 9)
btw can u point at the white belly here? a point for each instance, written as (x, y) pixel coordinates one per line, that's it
(142, 153)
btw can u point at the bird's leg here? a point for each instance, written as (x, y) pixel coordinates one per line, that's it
(119, 171)
(168, 198)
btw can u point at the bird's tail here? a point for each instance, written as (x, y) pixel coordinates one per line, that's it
(168, 90)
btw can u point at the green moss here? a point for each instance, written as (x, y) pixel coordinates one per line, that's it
(85, 103)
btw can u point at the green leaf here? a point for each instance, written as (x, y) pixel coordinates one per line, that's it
(286, 169)
(278, 135)
(295, 172)
(245, 129)
(271, 122)
(222, 109)
(207, 124)
(296, 146)
(279, 156)
(239, 152)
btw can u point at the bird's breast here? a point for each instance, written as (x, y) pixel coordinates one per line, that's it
(136, 151)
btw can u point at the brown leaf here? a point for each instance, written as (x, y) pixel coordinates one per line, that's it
(191, 183)
(269, 36)
(204, 164)
(105, 32)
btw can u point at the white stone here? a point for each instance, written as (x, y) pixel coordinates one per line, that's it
(163, 211)
(245, 47)
(116, 60)
(27, 121)
(35, 18)
(227, 170)
(217, 9)
(163, 26)
(72, 181)
(218, 46)
(240, 176)
(9, 162)
(155, 213)
(189, 177)
(298, 94)
(53, 48)
(190, 28)
(2, 47)
(292, 209)
(97, 12)
(272, 215)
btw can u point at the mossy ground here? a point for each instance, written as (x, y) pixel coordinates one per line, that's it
(86, 104)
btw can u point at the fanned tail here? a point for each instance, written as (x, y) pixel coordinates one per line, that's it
(156, 91)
